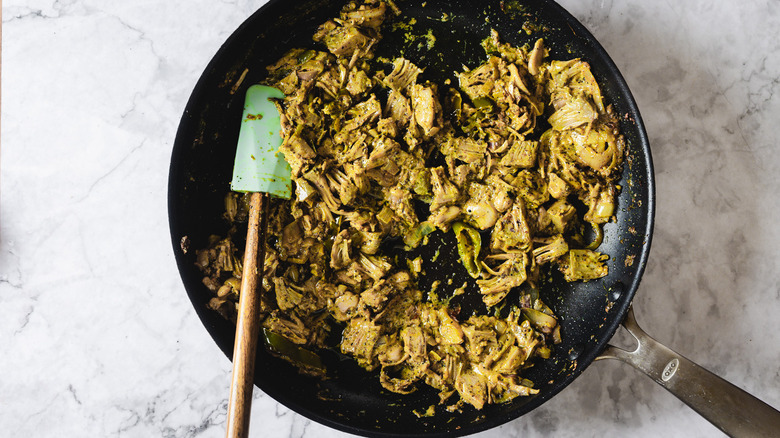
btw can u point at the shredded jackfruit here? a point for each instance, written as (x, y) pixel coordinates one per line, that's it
(522, 145)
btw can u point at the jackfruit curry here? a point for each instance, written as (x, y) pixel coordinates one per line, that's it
(519, 161)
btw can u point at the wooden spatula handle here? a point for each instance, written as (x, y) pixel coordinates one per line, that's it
(248, 323)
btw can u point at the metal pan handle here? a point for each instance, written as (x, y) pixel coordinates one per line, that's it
(728, 407)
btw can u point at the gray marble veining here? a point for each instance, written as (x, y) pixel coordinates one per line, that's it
(99, 338)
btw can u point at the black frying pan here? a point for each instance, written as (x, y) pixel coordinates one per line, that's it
(352, 399)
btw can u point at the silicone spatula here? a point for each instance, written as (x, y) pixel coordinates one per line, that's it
(259, 169)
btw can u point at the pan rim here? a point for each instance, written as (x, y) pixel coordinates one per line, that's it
(584, 361)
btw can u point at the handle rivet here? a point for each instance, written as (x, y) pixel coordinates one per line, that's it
(617, 290)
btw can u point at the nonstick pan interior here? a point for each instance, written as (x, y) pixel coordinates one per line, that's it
(352, 399)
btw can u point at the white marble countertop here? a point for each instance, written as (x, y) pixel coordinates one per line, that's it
(98, 337)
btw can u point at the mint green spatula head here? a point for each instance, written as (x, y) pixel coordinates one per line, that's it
(259, 166)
